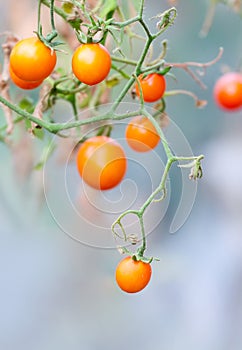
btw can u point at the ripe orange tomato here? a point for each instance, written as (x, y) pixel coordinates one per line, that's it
(32, 60)
(133, 276)
(141, 134)
(101, 162)
(23, 84)
(228, 91)
(91, 63)
(153, 87)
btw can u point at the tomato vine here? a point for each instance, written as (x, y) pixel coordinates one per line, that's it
(90, 27)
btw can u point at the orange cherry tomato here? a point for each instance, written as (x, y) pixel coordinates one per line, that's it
(228, 91)
(101, 162)
(91, 63)
(133, 276)
(153, 87)
(141, 134)
(23, 84)
(32, 60)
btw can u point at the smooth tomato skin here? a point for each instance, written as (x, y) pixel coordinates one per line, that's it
(23, 84)
(101, 162)
(31, 60)
(132, 276)
(153, 87)
(91, 63)
(228, 91)
(141, 134)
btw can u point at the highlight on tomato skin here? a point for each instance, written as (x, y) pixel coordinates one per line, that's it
(228, 91)
(23, 84)
(101, 162)
(141, 135)
(153, 87)
(32, 60)
(132, 276)
(91, 63)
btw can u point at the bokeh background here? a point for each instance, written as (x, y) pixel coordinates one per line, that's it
(57, 289)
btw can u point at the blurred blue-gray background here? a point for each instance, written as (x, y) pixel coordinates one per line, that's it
(59, 293)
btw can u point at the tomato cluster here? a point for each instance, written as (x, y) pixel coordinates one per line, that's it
(101, 161)
(31, 61)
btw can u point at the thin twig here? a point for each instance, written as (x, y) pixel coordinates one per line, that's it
(199, 103)
(4, 79)
(41, 105)
(186, 67)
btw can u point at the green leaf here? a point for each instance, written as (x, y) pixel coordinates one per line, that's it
(112, 82)
(47, 152)
(61, 71)
(107, 7)
(26, 104)
(75, 23)
(39, 133)
(39, 166)
(136, 4)
(2, 139)
(27, 124)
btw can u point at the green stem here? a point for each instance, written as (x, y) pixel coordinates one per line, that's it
(122, 94)
(52, 20)
(124, 60)
(75, 112)
(25, 114)
(39, 15)
(153, 67)
(120, 71)
(142, 227)
(198, 158)
(160, 188)
(165, 144)
(126, 23)
(146, 29)
(143, 55)
(56, 127)
(53, 34)
(141, 9)
(59, 12)
(95, 96)
(141, 96)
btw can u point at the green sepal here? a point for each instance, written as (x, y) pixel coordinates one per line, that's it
(164, 71)
(81, 37)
